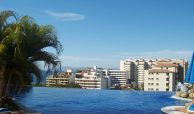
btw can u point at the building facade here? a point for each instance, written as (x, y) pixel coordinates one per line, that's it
(137, 68)
(162, 77)
(117, 78)
(92, 79)
(61, 79)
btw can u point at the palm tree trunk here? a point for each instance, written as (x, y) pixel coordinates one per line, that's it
(7, 87)
(2, 80)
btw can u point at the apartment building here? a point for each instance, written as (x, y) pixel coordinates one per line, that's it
(128, 65)
(64, 78)
(92, 79)
(162, 77)
(117, 78)
(137, 67)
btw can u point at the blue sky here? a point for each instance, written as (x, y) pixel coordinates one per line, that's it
(101, 32)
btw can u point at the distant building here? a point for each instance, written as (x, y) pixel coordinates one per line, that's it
(159, 79)
(92, 79)
(118, 78)
(137, 68)
(62, 79)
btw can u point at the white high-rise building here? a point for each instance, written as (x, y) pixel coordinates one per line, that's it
(92, 79)
(118, 78)
(128, 65)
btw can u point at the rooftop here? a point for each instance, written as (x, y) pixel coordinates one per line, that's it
(166, 65)
(160, 71)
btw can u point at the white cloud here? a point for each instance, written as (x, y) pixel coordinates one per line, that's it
(112, 61)
(77, 58)
(65, 16)
(171, 54)
(77, 61)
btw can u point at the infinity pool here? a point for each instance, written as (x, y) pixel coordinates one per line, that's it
(80, 101)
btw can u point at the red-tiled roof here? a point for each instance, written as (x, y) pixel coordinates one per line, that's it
(166, 65)
(160, 71)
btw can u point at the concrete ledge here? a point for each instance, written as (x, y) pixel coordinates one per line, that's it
(172, 110)
(180, 98)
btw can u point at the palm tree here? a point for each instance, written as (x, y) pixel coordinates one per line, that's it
(23, 44)
(4, 15)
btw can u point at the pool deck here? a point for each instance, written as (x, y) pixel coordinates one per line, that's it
(180, 98)
(172, 110)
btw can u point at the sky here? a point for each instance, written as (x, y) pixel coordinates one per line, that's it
(102, 32)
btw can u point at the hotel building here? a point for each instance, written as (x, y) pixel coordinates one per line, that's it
(61, 78)
(92, 79)
(117, 78)
(162, 77)
(137, 68)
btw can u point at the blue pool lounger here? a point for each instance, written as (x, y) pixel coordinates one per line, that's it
(190, 109)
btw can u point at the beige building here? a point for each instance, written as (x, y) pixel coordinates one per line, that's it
(137, 68)
(61, 79)
(159, 80)
(128, 65)
(162, 77)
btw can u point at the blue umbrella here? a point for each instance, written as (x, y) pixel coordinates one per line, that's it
(189, 78)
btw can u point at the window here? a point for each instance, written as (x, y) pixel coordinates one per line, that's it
(167, 74)
(161, 67)
(157, 84)
(167, 79)
(166, 67)
(157, 89)
(149, 89)
(157, 78)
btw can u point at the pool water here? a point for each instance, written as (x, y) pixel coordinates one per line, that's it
(82, 101)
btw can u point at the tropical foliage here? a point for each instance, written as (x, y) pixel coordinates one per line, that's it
(24, 43)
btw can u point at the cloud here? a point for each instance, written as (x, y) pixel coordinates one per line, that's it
(65, 16)
(170, 54)
(78, 58)
(87, 61)
(113, 60)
